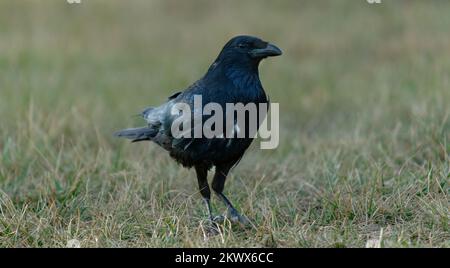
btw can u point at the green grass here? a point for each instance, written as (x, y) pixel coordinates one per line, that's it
(364, 93)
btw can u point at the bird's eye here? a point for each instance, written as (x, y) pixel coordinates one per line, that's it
(242, 45)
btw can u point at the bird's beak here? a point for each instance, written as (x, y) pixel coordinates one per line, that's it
(269, 51)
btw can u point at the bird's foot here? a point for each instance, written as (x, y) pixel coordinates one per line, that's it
(234, 216)
(211, 228)
(219, 219)
(215, 224)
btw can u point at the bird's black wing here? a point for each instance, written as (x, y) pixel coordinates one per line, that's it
(210, 149)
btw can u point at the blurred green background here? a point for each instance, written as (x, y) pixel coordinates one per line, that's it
(364, 99)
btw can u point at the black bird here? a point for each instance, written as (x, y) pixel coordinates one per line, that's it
(232, 78)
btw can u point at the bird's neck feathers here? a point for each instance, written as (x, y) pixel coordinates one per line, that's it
(243, 75)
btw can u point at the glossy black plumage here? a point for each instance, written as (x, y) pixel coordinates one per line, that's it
(232, 78)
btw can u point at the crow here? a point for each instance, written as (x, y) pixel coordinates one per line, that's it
(232, 78)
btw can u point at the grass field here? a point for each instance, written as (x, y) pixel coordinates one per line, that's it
(364, 93)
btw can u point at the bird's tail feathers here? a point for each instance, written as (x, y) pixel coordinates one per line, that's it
(136, 134)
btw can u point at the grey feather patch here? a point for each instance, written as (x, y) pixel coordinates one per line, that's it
(146, 111)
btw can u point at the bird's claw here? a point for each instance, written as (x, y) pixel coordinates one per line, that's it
(214, 225)
(235, 217)
(212, 228)
(219, 219)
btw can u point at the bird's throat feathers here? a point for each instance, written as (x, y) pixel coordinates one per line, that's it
(244, 76)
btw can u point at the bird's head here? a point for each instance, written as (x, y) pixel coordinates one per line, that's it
(247, 51)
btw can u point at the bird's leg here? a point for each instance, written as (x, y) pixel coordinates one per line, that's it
(218, 184)
(202, 177)
(232, 213)
(208, 207)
